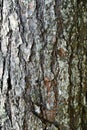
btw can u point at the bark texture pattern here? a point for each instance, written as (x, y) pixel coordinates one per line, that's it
(43, 65)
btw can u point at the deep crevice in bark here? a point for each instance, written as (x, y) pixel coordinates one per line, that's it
(70, 99)
(4, 62)
(8, 108)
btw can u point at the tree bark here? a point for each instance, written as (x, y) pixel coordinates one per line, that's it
(43, 65)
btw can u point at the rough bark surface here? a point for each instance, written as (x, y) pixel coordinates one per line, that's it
(43, 65)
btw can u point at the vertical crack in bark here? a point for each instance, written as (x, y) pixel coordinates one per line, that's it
(59, 19)
(7, 103)
(1, 5)
(9, 82)
(1, 19)
(80, 54)
(9, 54)
(32, 54)
(1, 11)
(54, 52)
(0, 43)
(80, 88)
(70, 99)
(80, 58)
(54, 82)
(39, 17)
(4, 62)
(20, 23)
(57, 11)
(41, 98)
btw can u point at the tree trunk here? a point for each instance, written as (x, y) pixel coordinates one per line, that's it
(43, 65)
